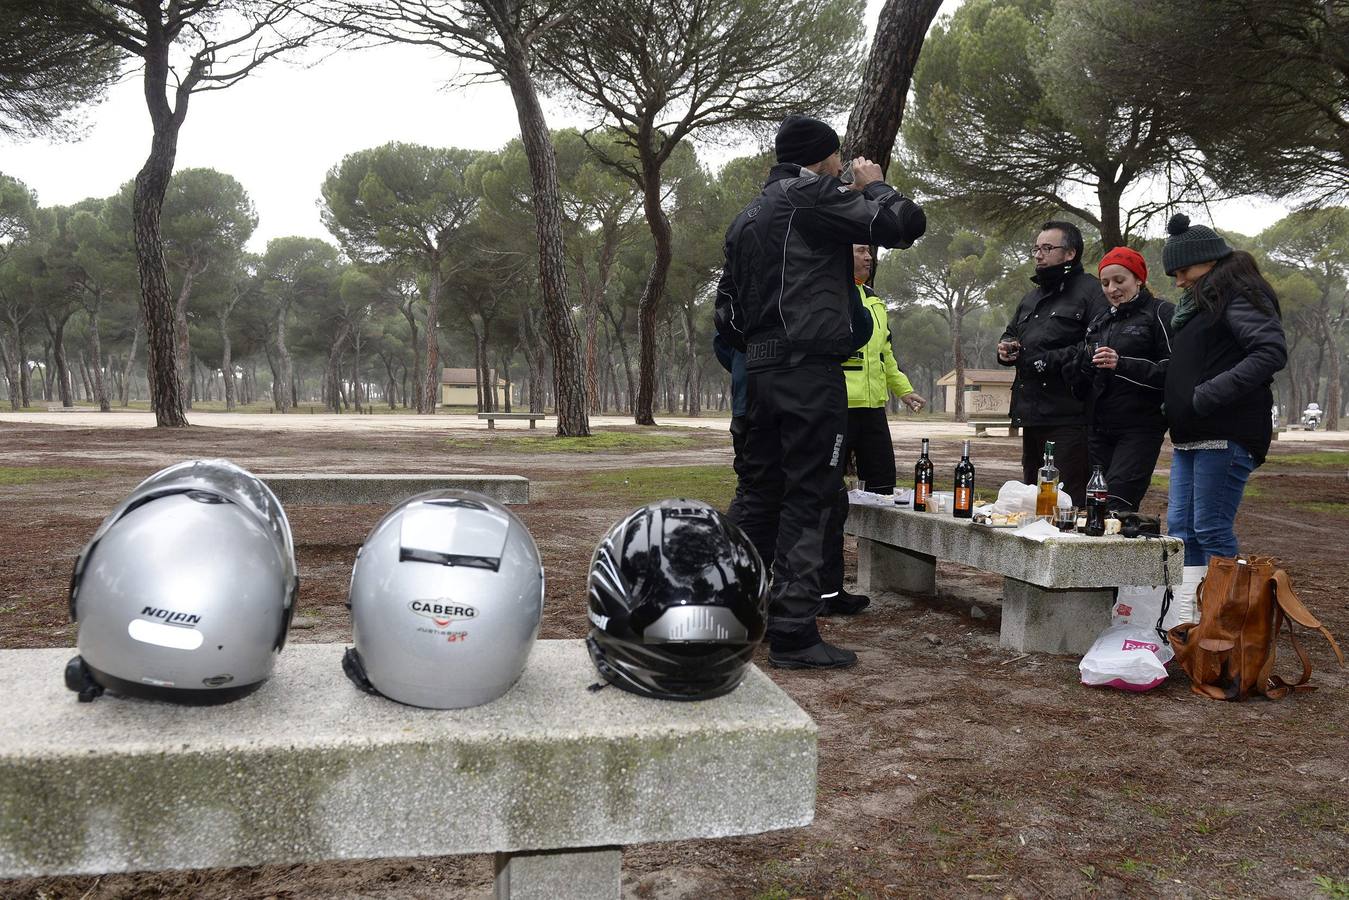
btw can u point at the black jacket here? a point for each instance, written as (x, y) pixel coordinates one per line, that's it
(1050, 322)
(733, 360)
(1129, 397)
(1218, 382)
(787, 283)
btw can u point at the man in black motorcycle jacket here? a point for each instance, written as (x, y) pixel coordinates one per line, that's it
(784, 300)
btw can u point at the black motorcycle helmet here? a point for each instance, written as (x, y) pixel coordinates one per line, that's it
(678, 602)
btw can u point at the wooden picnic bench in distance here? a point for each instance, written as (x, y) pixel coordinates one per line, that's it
(1057, 595)
(491, 417)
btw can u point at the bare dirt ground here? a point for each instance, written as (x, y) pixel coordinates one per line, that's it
(948, 766)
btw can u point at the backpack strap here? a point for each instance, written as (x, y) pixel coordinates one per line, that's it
(1293, 608)
(1166, 596)
(1275, 688)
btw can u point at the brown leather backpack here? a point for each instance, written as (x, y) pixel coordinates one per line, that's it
(1229, 654)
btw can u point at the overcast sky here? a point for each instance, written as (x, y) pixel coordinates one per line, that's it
(280, 130)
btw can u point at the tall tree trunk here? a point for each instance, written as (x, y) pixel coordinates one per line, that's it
(180, 330)
(282, 371)
(533, 360)
(1109, 194)
(96, 354)
(12, 365)
(958, 354)
(505, 362)
(879, 110)
(125, 399)
(226, 360)
(431, 377)
(166, 393)
(649, 305)
(568, 376)
(695, 377)
(25, 373)
(57, 330)
(1333, 401)
(332, 376)
(617, 325)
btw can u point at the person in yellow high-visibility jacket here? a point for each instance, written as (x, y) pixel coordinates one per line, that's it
(872, 375)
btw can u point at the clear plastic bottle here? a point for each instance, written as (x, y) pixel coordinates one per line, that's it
(1047, 480)
(1098, 496)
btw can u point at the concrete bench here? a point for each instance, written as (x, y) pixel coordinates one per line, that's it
(1057, 595)
(491, 417)
(341, 489)
(553, 778)
(981, 427)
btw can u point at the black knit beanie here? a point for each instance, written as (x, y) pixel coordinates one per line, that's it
(1188, 244)
(804, 141)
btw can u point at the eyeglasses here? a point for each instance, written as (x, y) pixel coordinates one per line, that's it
(1046, 249)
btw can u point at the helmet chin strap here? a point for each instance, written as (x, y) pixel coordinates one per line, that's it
(355, 669)
(80, 680)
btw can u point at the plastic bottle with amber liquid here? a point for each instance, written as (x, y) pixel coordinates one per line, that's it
(964, 484)
(1098, 495)
(922, 480)
(1047, 482)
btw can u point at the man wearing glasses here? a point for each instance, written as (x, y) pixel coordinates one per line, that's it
(1049, 323)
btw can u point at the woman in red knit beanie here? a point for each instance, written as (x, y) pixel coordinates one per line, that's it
(1120, 370)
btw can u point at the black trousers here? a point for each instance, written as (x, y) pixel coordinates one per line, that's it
(761, 530)
(790, 469)
(1127, 458)
(1070, 455)
(868, 444)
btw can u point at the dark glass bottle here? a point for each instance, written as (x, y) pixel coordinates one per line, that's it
(963, 508)
(922, 480)
(1097, 497)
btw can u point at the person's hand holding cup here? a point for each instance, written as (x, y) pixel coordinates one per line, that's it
(1008, 351)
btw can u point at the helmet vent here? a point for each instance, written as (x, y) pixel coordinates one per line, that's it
(716, 624)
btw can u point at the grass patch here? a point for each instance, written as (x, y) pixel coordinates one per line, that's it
(598, 442)
(1332, 887)
(10, 475)
(711, 484)
(1334, 509)
(1321, 459)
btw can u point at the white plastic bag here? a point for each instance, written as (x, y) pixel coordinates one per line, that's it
(1137, 606)
(1127, 657)
(1015, 497)
(1142, 606)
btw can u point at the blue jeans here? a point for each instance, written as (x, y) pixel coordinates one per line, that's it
(1206, 489)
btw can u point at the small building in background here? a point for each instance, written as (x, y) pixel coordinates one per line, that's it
(459, 387)
(988, 392)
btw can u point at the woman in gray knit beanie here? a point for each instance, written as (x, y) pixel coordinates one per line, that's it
(1228, 344)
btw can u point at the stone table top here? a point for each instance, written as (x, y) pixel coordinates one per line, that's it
(1070, 562)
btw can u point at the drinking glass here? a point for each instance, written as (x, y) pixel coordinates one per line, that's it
(1065, 518)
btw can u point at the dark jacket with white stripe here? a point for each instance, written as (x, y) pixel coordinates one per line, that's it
(1129, 397)
(787, 284)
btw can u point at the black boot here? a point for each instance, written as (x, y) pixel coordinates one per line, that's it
(845, 603)
(816, 656)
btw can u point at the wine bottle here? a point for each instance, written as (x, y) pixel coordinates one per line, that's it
(1048, 482)
(922, 480)
(964, 500)
(1098, 496)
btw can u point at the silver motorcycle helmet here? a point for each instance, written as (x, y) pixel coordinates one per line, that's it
(186, 590)
(446, 599)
